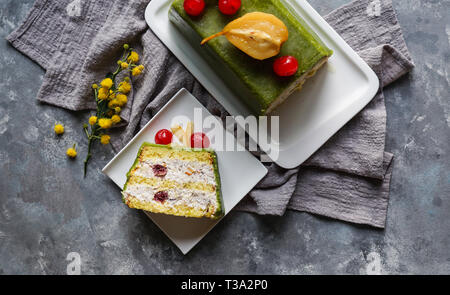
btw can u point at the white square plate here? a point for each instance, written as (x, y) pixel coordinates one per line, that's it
(239, 171)
(308, 118)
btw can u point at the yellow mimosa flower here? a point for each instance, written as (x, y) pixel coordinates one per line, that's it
(104, 139)
(71, 152)
(105, 123)
(92, 120)
(115, 119)
(134, 57)
(59, 129)
(107, 83)
(103, 93)
(124, 87)
(136, 71)
(122, 99)
(113, 103)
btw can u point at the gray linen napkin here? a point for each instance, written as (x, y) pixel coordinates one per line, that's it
(348, 178)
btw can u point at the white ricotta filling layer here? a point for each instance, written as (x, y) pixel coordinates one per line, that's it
(177, 197)
(178, 170)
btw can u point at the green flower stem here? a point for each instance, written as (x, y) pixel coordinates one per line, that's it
(86, 131)
(88, 157)
(91, 137)
(119, 67)
(102, 107)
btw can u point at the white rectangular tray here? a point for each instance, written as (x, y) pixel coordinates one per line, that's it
(308, 118)
(239, 171)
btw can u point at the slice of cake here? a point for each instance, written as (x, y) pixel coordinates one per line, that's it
(175, 181)
(253, 80)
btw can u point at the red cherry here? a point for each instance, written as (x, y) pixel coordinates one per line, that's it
(285, 66)
(194, 7)
(199, 140)
(163, 136)
(229, 7)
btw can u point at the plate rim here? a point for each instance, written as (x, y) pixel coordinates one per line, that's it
(328, 129)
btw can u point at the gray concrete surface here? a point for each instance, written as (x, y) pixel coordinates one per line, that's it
(47, 210)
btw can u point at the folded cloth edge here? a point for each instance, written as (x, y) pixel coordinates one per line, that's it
(16, 42)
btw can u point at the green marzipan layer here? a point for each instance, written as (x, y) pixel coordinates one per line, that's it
(220, 210)
(256, 76)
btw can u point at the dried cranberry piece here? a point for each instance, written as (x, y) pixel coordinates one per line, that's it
(159, 170)
(161, 196)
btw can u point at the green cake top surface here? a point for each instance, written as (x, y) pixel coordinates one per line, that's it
(257, 75)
